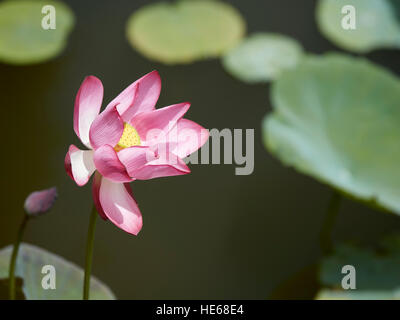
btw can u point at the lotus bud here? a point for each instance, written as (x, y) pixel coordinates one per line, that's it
(39, 202)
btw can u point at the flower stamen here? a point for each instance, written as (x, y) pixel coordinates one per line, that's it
(129, 138)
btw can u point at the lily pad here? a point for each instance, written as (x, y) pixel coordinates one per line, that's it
(377, 271)
(69, 277)
(262, 57)
(396, 7)
(327, 294)
(22, 37)
(377, 25)
(337, 119)
(185, 31)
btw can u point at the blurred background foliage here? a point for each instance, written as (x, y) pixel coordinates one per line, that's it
(262, 57)
(378, 24)
(377, 271)
(22, 38)
(184, 31)
(337, 119)
(212, 234)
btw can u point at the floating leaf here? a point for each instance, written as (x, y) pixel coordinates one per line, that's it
(396, 7)
(376, 24)
(69, 277)
(185, 31)
(377, 271)
(22, 38)
(262, 57)
(328, 294)
(337, 119)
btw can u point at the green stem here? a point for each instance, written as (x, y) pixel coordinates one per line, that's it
(329, 223)
(89, 253)
(14, 255)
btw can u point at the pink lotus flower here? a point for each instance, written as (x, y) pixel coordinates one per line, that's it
(129, 140)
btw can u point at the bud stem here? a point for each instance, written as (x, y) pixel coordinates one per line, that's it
(14, 255)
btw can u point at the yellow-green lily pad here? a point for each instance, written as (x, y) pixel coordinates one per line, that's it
(23, 40)
(337, 119)
(376, 24)
(185, 31)
(68, 277)
(262, 57)
(332, 294)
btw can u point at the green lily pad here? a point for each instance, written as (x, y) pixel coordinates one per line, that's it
(69, 277)
(262, 57)
(328, 294)
(22, 38)
(377, 271)
(396, 7)
(337, 119)
(377, 25)
(185, 31)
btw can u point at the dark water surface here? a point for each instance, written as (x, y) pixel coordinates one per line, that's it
(210, 234)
